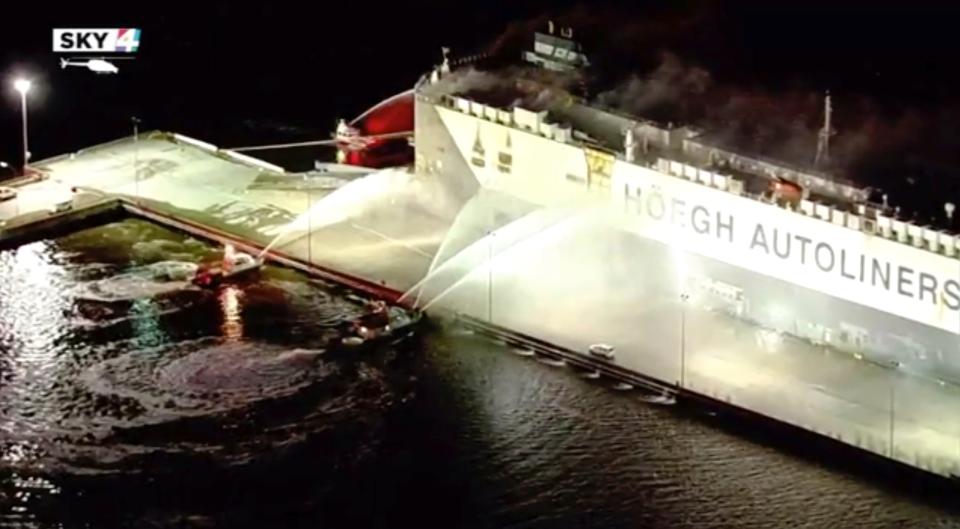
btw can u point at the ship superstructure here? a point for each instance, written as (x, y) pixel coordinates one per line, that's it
(788, 250)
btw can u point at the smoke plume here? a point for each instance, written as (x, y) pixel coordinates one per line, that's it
(686, 65)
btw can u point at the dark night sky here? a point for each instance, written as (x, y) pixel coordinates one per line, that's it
(277, 71)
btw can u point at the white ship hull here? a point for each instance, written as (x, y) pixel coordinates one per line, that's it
(585, 247)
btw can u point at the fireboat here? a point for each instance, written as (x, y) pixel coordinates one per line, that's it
(234, 266)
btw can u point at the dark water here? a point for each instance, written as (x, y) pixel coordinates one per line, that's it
(129, 399)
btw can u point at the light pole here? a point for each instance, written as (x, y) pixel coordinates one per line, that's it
(309, 221)
(683, 335)
(136, 152)
(490, 277)
(892, 415)
(23, 86)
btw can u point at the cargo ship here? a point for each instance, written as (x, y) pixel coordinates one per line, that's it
(676, 220)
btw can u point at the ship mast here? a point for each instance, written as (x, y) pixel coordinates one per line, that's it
(823, 138)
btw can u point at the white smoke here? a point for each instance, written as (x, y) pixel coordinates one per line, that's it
(672, 84)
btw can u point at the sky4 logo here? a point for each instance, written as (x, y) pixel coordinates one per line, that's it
(74, 40)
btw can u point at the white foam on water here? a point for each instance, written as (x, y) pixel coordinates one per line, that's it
(200, 378)
(140, 282)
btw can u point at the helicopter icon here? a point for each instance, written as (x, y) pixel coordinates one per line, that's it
(94, 64)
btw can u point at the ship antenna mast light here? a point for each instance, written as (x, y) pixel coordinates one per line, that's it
(445, 65)
(823, 138)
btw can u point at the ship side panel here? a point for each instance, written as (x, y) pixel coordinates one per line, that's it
(447, 181)
(824, 284)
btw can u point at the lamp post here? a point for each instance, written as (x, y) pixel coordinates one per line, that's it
(136, 152)
(23, 86)
(309, 220)
(490, 277)
(892, 415)
(684, 296)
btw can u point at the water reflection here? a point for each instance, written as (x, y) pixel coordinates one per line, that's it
(113, 364)
(146, 323)
(230, 303)
(34, 302)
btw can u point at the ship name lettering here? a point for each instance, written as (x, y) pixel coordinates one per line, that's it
(677, 212)
(843, 265)
(783, 253)
(904, 281)
(725, 226)
(850, 265)
(759, 239)
(951, 290)
(655, 205)
(700, 220)
(883, 271)
(829, 252)
(928, 283)
(804, 241)
(871, 271)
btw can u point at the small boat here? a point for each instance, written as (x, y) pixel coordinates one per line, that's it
(602, 350)
(363, 334)
(211, 276)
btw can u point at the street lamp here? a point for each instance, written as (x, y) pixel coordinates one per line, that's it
(23, 86)
(135, 121)
(309, 219)
(490, 235)
(684, 297)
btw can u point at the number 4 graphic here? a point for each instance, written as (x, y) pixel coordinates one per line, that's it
(128, 40)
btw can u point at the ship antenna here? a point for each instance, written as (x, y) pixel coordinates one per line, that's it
(550, 26)
(823, 139)
(445, 65)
